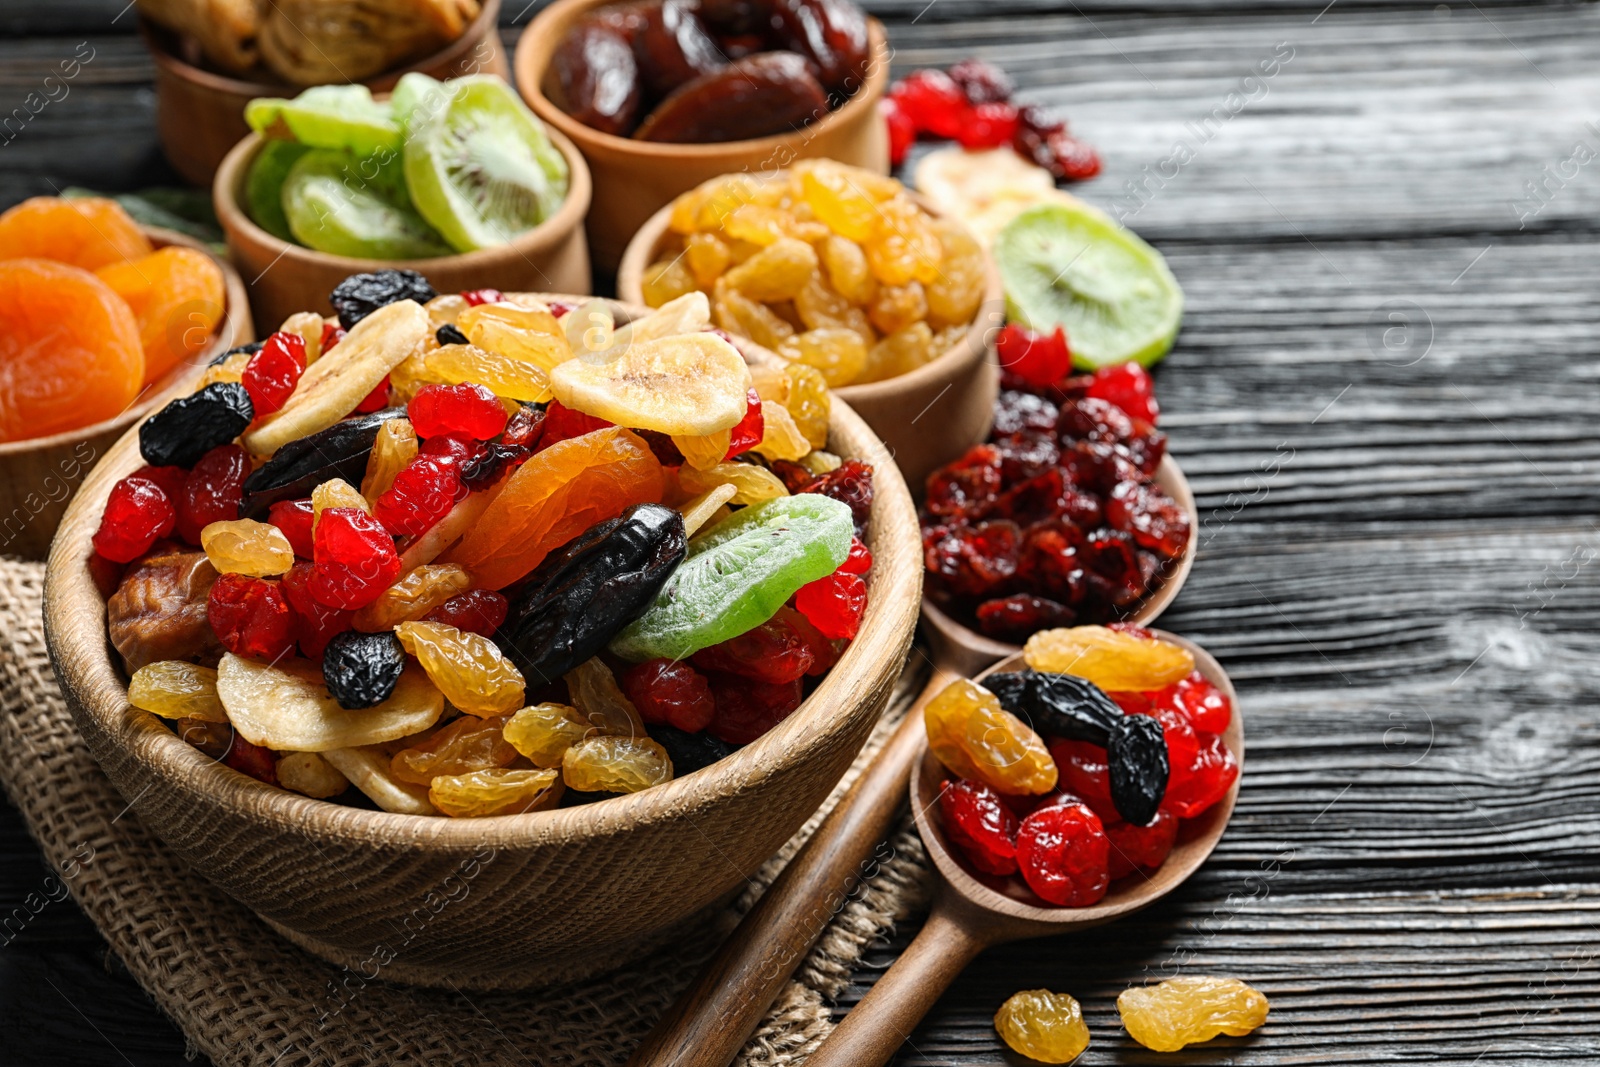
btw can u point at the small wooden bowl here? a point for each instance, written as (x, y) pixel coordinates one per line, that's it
(634, 178)
(504, 902)
(284, 278)
(927, 417)
(200, 115)
(38, 475)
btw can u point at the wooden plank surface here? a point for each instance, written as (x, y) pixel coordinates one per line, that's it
(1384, 396)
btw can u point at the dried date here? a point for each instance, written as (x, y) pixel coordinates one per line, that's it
(594, 76)
(760, 95)
(673, 47)
(830, 33)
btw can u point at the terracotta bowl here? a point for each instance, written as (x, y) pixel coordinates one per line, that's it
(634, 178)
(927, 417)
(284, 278)
(503, 902)
(38, 475)
(200, 115)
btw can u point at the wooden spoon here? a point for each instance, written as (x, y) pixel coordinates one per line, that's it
(711, 1021)
(969, 916)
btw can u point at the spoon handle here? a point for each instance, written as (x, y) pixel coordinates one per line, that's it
(711, 1021)
(884, 1019)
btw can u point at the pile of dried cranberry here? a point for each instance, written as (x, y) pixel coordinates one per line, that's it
(1056, 519)
(971, 103)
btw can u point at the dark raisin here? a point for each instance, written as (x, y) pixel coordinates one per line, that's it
(689, 752)
(1057, 705)
(983, 82)
(484, 469)
(1137, 758)
(361, 294)
(189, 427)
(298, 467)
(361, 669)
(250, 349)
(661, 444)
(449, 335)
(850, 483)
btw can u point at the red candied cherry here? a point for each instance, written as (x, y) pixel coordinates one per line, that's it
(1206, 780)
(561, 423)
(824, 651)
(1205, 706)
(859, 561)
(332, 334)
(982, 81)
(170, 479)
(478, 611)
(746, 708)
(253, 760)
(315, 622)
(1062, 853)
(423, 493)
(1133, 846)
(459, 450)
(376, 400)
(979, 822)
(671, 692)
(933, 101)
(902, 131)
(1133, 629)
(137, 513)
(474, 297)
(294, 519)
(355, 559)
(751, 429)
(1130, 387)
(468, 410)
(212, 491)
(274, 371)
(251, 617)
(989, 126)
(1071, 160)
(1039, 359)
(834, 604)
(772, 652)
(1085, 773)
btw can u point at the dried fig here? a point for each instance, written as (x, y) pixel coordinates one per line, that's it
(674, 47)
(764, 94)
(594, 76)
(159, 610)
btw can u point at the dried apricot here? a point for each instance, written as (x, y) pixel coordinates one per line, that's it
(177, 297)
(89, 233)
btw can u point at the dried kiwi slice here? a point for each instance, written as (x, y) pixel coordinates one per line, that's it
(347, 206)
(263, 186)
(328, 116)
(479, 165)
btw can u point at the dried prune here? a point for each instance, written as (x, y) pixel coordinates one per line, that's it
(361, 294)
(594, 77)
(448, 334)
(190, 426)
(361, 669)
(690, 752)
(581, 595)
(831, 33)
(300, 466)
(760, 95)
(673, 46)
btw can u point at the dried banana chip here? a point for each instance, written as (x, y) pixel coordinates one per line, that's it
(334, 385)
(368, 771)
(702, 507)
(589, 327)
(287, 707)
(309, 773)
(689, 385)
(689, 313)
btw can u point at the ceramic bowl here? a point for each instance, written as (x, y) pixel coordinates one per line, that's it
(509, 901)
(632, 179)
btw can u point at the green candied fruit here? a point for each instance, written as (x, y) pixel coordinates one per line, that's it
(328, 116)
(739, 573)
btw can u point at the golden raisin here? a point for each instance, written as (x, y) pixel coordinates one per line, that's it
(706, 451)
(839, 354)
(809, 403)
(777, 272)
(847, 269)
(667, 280)
(396, 446)
(838, 200)
(752, 484)
(460, 747)
(707, 256)
(1111, 659)
(598, 697)
(1185, 1011)
(544, 732)
(175, 689)
(975, 737)
(781, 438)
(507, 376)
(616, 765)
(496, 791)
(336, 493)
(1043, 1026)
(311, 775)
(820, 306)
(531, 334)
(244, 546)
(412, 597)
(469, 669)
(743, 317)
(898, 306)
(902, 351)
(904, 246)
(954, 296)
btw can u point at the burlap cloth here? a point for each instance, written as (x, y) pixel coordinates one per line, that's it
(246, 998)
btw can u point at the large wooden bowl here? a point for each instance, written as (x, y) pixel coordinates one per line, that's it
(928, 417)
(200, 114)
(632, 179)
(38, 475)
(284, 278)
(502, 902)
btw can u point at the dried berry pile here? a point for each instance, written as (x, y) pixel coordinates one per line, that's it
(701, 71)
(829, 266)
(473, 553)
(1128, 745)
(1056, 519)
(971, 103)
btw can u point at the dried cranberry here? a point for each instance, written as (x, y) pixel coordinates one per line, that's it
(772, 652)
(524, 428)
(486, 468)
(1062, 853)
(982, 81)
(456, 449)
(355, 559)
(1093, 419)
(1036, 358)
(902, 131)
(1071, 160)
(423, 493)
(850, 483)
(294, 518)
(933, 101)
(666, 453)
(315, 623)
(213, 490)
(468, 410)
(1205, 781)
(988, 126)
(974, 560)
(825, 652)
(1128, 386)
(274, 371)
(1133, 847)
(1085, 773)
(170, 479)
(746, 709)
(671, 692)
(1110, 556)
(978, 822)
(478, 611)
(751, 428)
(1016, 411)
(251, 617)
(1024, 455)
(137, 513)
(1014, 618)
(561, 308)
(561, 423)
(834, 604)
(1050, 561)
(966, 487)
(1154, 519)
(251, 760)
(795, 477)
(1043, 496)
(474, 297)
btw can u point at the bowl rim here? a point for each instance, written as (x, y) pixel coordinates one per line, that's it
(155, 41)
(230, 331)
(75, 626)
(536, 46)
(234, 169)
(642, 249)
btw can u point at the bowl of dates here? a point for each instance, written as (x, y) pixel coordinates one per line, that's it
(663, 95)
(456, 647)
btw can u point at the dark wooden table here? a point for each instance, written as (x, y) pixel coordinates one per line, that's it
(1385, 395)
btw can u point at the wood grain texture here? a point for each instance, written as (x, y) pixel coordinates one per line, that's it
(1398, 561)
